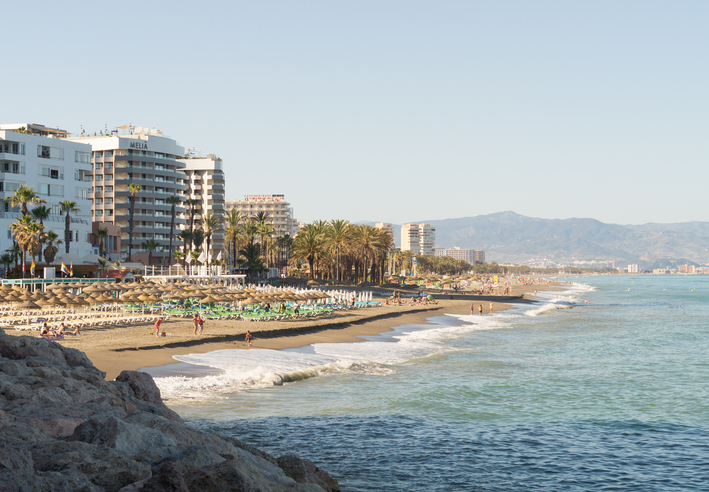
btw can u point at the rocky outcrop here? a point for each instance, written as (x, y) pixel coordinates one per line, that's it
(64, 428)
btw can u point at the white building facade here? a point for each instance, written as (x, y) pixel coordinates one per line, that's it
(205, 183)
(418, 238)
(57, 169)
(145, 157)
(472, 256)
(279, 210)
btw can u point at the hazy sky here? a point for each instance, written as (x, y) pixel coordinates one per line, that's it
(393, 110)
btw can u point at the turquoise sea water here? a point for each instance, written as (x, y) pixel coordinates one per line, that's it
(561, 395)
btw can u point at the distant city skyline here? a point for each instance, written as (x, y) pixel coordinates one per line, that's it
(399, 111)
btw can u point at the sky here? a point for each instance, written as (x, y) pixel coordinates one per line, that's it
(394, 111)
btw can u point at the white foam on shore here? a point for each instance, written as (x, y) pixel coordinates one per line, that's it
(260, 368)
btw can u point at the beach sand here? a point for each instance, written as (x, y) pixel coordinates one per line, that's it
(114, 348)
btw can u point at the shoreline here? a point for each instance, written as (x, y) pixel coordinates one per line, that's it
(131, 347)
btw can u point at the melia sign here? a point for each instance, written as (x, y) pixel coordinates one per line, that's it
(139, 145)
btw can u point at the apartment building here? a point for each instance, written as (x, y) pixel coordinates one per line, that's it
(472, 256)
(205, 183)
(145, 157)
(387, 226)
(279, 210)
(38, 157)
(418, 238)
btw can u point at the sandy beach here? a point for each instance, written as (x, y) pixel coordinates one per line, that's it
(114, 348)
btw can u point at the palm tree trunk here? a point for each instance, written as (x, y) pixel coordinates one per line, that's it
(67, 232)
(172, 233)
(130, 227)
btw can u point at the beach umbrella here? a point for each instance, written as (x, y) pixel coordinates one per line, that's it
(29, 305)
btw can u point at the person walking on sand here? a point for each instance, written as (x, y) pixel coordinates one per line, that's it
(472, 309)
(491, 307)
(248, 338)
(195, 322)
(480, 309)
(157, 326)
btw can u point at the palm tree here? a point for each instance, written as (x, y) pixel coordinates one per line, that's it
(250, 231)
(284, 245)
(151, 245)
(366, 241)
(308, 244)
(262, 220)
(133, 189)
(198, 239)
(252, 259)
(101, 234)
(67, 207)
(22, 196)
(337, 235)
(186, 237)
(36, 240)
(23, 235)
(50, 252)
(102, 265)
(192, 203)
(40, 213)
(210, 223)
(15, 252)
(173, 201)
(233, 230)
(5, 260)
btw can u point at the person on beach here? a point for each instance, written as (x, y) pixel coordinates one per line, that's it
(248, 338)
(157, 326)
(75, 332)
(480, 309)
(45, 331)
(491, 307)
(472, 309)
(195, 322)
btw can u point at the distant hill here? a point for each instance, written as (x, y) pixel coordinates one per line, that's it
(510, 237)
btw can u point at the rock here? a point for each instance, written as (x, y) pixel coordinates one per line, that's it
(293, 467)
(64, 428)
(145, 389)
(167, 478)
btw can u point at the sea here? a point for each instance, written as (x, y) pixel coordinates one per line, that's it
(603, 385)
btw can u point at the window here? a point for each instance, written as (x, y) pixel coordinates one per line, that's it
(98, 154)
(47, 152)
(108, 177)
(83, 157)
(108, 153)
(78, 175)
(109, 165)
(8, 186)
(56, 209)
(109, 213)
(51, 172)
(98, 177)
(82, 193)
(108, 201)
(109, 189)
(97, 201)
(9, 234)
(98, 165)
(99, 189)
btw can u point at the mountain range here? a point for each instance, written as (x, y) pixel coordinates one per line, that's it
(507, 237)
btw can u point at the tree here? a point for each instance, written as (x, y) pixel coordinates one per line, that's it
(198, 239)
(22, 196)
(151, 245)
(40, 213)
(15, 251)
(50, 252)
(192, 203)
(5, 260)
(102, 265)
(336, 238)
(173, 201)
(252, 259)
(210, 223)
(101, 234)
(67, 207)
(186, 237)
(233, 230)
(308, 244)
(133, 189)
(23, 235)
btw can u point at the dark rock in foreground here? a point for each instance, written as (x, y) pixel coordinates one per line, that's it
(64, 428)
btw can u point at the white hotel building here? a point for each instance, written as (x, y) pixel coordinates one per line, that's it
(56, 169)
(145, 157)
(472, 256)
(420, 239)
